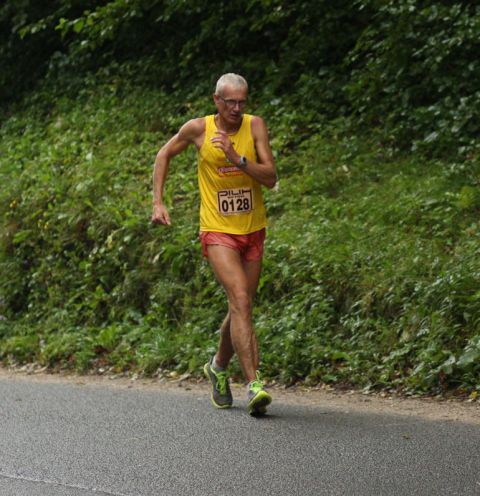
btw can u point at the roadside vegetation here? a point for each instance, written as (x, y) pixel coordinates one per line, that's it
(372, 272)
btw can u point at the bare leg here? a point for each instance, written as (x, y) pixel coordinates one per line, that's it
(225, 348)
(240, 281)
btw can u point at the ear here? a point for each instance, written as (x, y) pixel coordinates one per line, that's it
(216, 101)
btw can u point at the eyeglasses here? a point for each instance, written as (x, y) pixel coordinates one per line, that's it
(233, 103)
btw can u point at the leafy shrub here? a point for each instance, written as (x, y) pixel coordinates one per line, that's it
(371, 273)
(413, 74)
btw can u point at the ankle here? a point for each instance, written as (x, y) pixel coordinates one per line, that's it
(216, 365)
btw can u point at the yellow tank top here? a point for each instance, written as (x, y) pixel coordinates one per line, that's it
(230, 200)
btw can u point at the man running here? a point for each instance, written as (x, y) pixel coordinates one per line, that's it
(234, 160)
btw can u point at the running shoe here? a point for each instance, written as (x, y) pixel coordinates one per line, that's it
(258, 398)
(221, 394)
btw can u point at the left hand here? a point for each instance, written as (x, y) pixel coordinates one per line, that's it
(222, 141)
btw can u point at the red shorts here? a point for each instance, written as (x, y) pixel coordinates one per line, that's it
(250, 246)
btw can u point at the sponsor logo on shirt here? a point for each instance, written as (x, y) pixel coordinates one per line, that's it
(229, 170)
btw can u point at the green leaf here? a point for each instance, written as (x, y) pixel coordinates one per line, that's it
(78, 25)
(21, 236)
(469, 357)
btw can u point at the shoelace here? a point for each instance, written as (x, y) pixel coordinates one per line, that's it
(256, 385)
(221, 382)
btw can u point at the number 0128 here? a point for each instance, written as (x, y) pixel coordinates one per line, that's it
(235, 201)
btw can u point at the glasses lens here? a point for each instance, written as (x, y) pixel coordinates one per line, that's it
(234, 103)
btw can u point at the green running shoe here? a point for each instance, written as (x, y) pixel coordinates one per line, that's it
(258, 398)
(221, 394)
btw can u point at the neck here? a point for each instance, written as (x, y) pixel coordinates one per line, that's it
(225, 126)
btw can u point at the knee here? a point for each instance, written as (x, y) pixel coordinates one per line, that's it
(240, 303)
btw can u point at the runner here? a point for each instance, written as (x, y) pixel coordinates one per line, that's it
(234, 160)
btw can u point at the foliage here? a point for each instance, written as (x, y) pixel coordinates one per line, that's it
(28, 43)
(408, 68)
(371, 275)
(414, 73)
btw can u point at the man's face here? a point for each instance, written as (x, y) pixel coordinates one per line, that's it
(230, 103)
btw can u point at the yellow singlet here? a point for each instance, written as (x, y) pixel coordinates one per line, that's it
(231, 201)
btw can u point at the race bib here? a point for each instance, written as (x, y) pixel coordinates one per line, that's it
(235, 201)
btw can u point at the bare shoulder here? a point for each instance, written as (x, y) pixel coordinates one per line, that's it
(259, 128)
(192, 129)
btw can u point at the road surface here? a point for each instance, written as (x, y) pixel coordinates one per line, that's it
(76, 437)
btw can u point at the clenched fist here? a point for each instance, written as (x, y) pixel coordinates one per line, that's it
(160, 215)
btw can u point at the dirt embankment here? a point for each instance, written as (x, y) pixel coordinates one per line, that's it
(466, 410)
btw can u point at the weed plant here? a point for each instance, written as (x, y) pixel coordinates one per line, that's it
(371, 273)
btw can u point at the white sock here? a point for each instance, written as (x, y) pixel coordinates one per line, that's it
(215, 364)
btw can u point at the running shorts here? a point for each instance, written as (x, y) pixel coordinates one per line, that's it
(249, 246)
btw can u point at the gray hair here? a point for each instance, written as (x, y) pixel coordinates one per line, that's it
(230, 79)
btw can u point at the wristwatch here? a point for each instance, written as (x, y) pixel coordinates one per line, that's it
(243, 162)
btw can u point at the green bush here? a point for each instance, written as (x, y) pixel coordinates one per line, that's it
(414, 72)
(371, 274)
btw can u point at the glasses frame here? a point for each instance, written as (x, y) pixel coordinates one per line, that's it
(233, 103)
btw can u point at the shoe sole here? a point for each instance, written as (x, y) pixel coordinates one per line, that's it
(258, 405)
(216, 405)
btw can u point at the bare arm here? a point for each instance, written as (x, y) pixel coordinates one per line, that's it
(263, 171)
(187, 135)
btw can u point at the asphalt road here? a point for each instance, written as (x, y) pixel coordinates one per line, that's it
(65, 438)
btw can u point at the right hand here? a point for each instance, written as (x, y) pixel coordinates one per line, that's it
(160, 215)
